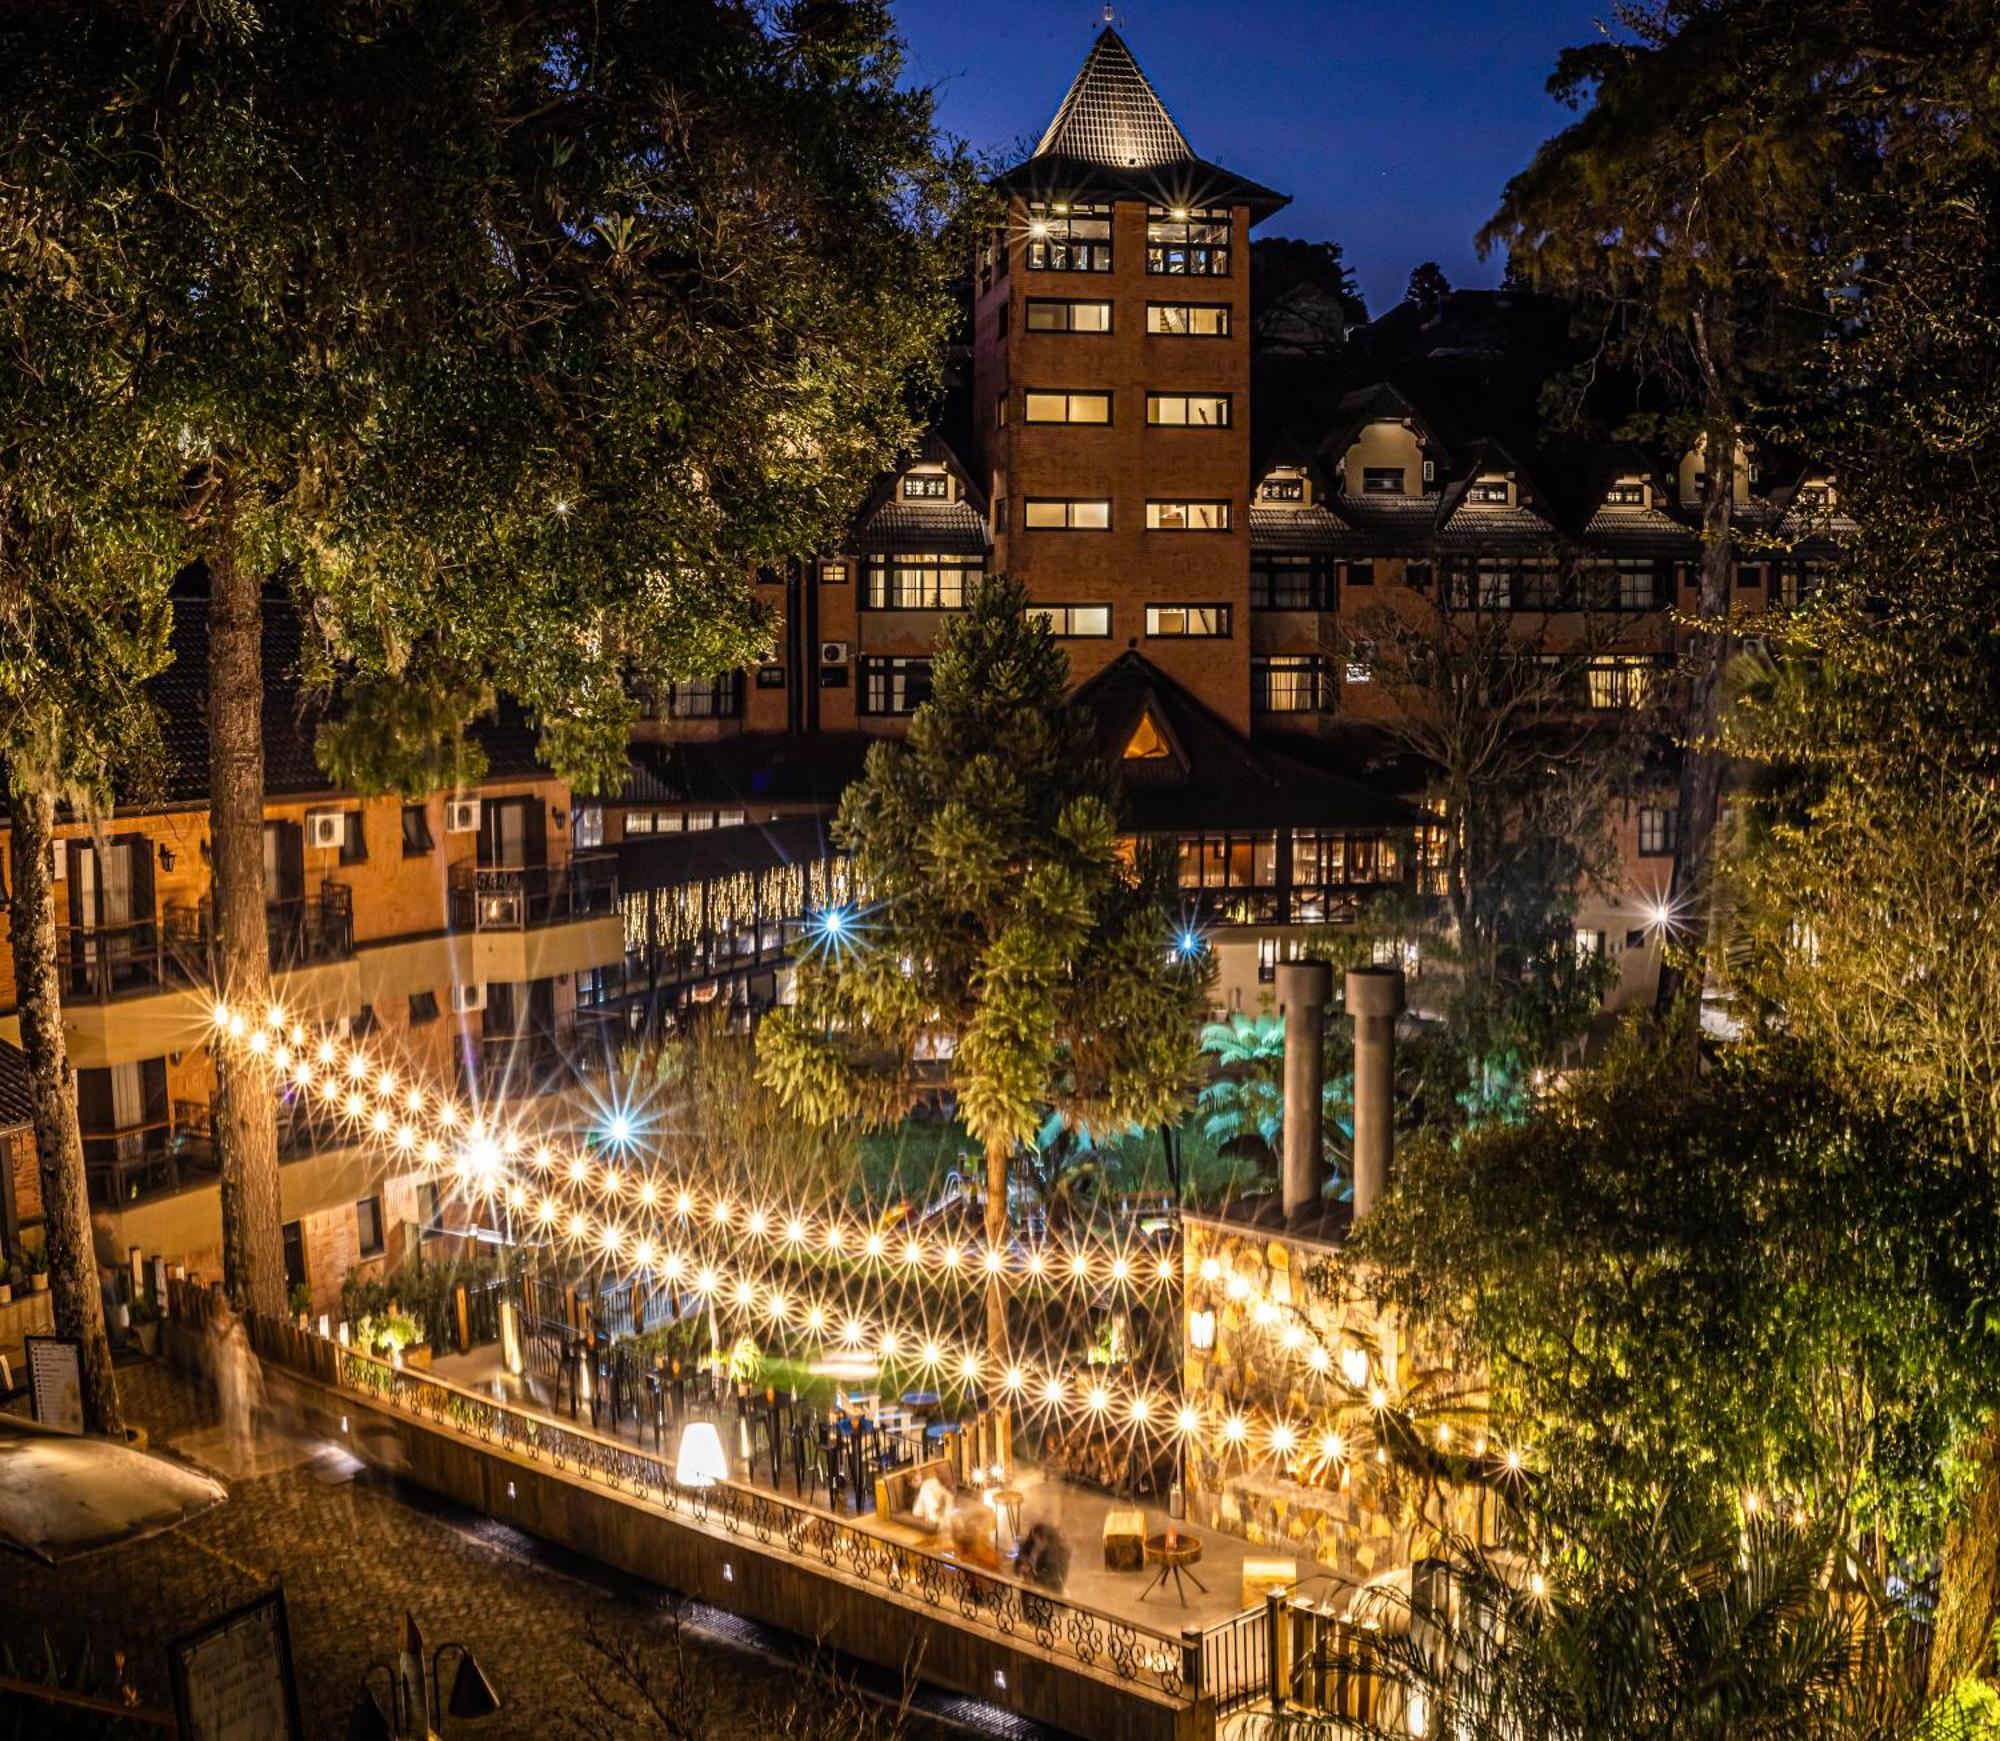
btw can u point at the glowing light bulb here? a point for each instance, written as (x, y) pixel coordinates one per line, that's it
(705, 1282)
(795, 1231)
(853, 1333)
(357, 1066)
(1165, 1270)
(742, 1295)
(1332, 1447)
(1235, 1430)
(913, 1253)
(433, 1152)
(378, 1121)
(281, 1059)
(406, 1138)
(517, 1196)
(545, 1211)
(1283, 1440)
(385, 1084)
(613, 1182)
(1035, 1263)
(1266, 1314)
(578, 1227)
(756, 1223)
(414, 1100)
(968, 1369)
(1238, 1288)
(618, 1128)
(303, 1076)
(642, 1254)
(1052, 1392)
(1141, 1411)
(353, 1105)
(274, 1018)
(1120, 1269)
(1188, 1422)
(1378, 1398)
(1079, 1267)
(579, 1170)
(836, 1236)
(778, 1307)
(324, 1053)
(1293, 1338)
(874, 1245)
(933, 1355)
(260, 1043)
(683, 1204)
(1014, 1379)
(952, 1257)
(721, 1212)
(674, 1267)
(220, 1015)
(612, 1237)
(993, 1262)
(815, 1319)
(1099, 1399)
(649, 1193)
(1538, 1586)
(1354, 1366)
(1210, 1270)
(1514, 1461)
(891, 1342)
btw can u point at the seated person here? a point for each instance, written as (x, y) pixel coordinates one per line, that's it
(972, 1534)
(933, 1503)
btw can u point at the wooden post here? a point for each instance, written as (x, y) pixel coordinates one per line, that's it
(464, 1318)
(1274, 1657)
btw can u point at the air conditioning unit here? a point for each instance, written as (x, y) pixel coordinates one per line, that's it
(467, 998)
(833, 652)
(326, 828)
(461, 816)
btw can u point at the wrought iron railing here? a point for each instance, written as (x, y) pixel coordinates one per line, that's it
(515, 897)
(981, 1600)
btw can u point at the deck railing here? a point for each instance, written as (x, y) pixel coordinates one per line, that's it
(981, 1600)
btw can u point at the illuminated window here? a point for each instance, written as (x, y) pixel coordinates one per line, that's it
(1184, 243)
(1187, 516)
(1621, 681)
(1049, 405)
(1188, 320)
(1075, 622)
(1656, 830)
(706, 697)
(1066, 514)
(1069, 238)
(1491, 491)
(1050, 314)
(927, 487)
(1188, 410)
(1290, 683)
(1147, 742)
(1187, 622)
(894, 686)
(1282, 490)
(1625, 494)
(919, 581)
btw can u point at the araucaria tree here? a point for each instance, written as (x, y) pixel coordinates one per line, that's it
(1003, 927)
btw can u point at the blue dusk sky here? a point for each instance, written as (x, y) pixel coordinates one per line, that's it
(1393, 126)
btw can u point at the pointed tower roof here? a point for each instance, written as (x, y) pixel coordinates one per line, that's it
(1113, 116)
(1113, 137)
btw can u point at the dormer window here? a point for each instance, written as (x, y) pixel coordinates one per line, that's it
(1493, 492)
(1282, 490)
(1626, 493)
(1818, 496)
(926, 487)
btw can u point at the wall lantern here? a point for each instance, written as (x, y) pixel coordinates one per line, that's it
(1201, 1330)
(166, 856)
(701, 1462)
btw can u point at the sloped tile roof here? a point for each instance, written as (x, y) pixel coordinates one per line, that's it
(1311, 528)
(956, 527)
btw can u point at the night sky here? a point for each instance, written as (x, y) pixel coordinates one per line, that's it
(1393, 125)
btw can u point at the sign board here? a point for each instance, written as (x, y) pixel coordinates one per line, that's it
(233, 1678)
(55, 1381)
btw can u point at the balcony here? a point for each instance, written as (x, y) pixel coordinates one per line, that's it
(520, 897)
(102, 962)
(301, 931)
(153, 1156)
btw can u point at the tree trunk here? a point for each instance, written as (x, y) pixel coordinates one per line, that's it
(246, 1109)
(997, 1152)
(1969, 1578)
(1690, 899)
(73, 1285)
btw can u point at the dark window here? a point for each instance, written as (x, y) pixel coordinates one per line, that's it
(368, 1226)
(416, 831)
(363, 1023)
(1290, 580)
(430, 1206)
(423, 1008)
(1361, 573)
(1183, 243)
(927, 487)
(1069, 238)
(354, 840)
(1292, 683)
(770, 676)
(1047, 314)
(894, 686)
(920, 581)
(706, 697)
(1750, 574)
(1417, 575)
(1656, 830)
(295, 1255)
(1381, 480)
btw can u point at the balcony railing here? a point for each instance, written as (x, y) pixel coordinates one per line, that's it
(100, 962)
(518, 897)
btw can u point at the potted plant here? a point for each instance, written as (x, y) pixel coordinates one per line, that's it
(300, 1301)
(144, 1318)
(395, 1336)
(38, 1269)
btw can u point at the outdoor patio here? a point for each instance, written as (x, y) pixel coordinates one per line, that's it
(1076, 1513)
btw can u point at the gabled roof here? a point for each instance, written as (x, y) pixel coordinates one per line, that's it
(1483, 523)
(888, 523)
(1216, 777)
(1111, 136)
(754, 768)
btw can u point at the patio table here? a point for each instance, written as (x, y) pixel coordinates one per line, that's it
(1173, 1551)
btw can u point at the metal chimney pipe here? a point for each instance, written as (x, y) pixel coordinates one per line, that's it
(1303, 989)
(1374, 1000)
